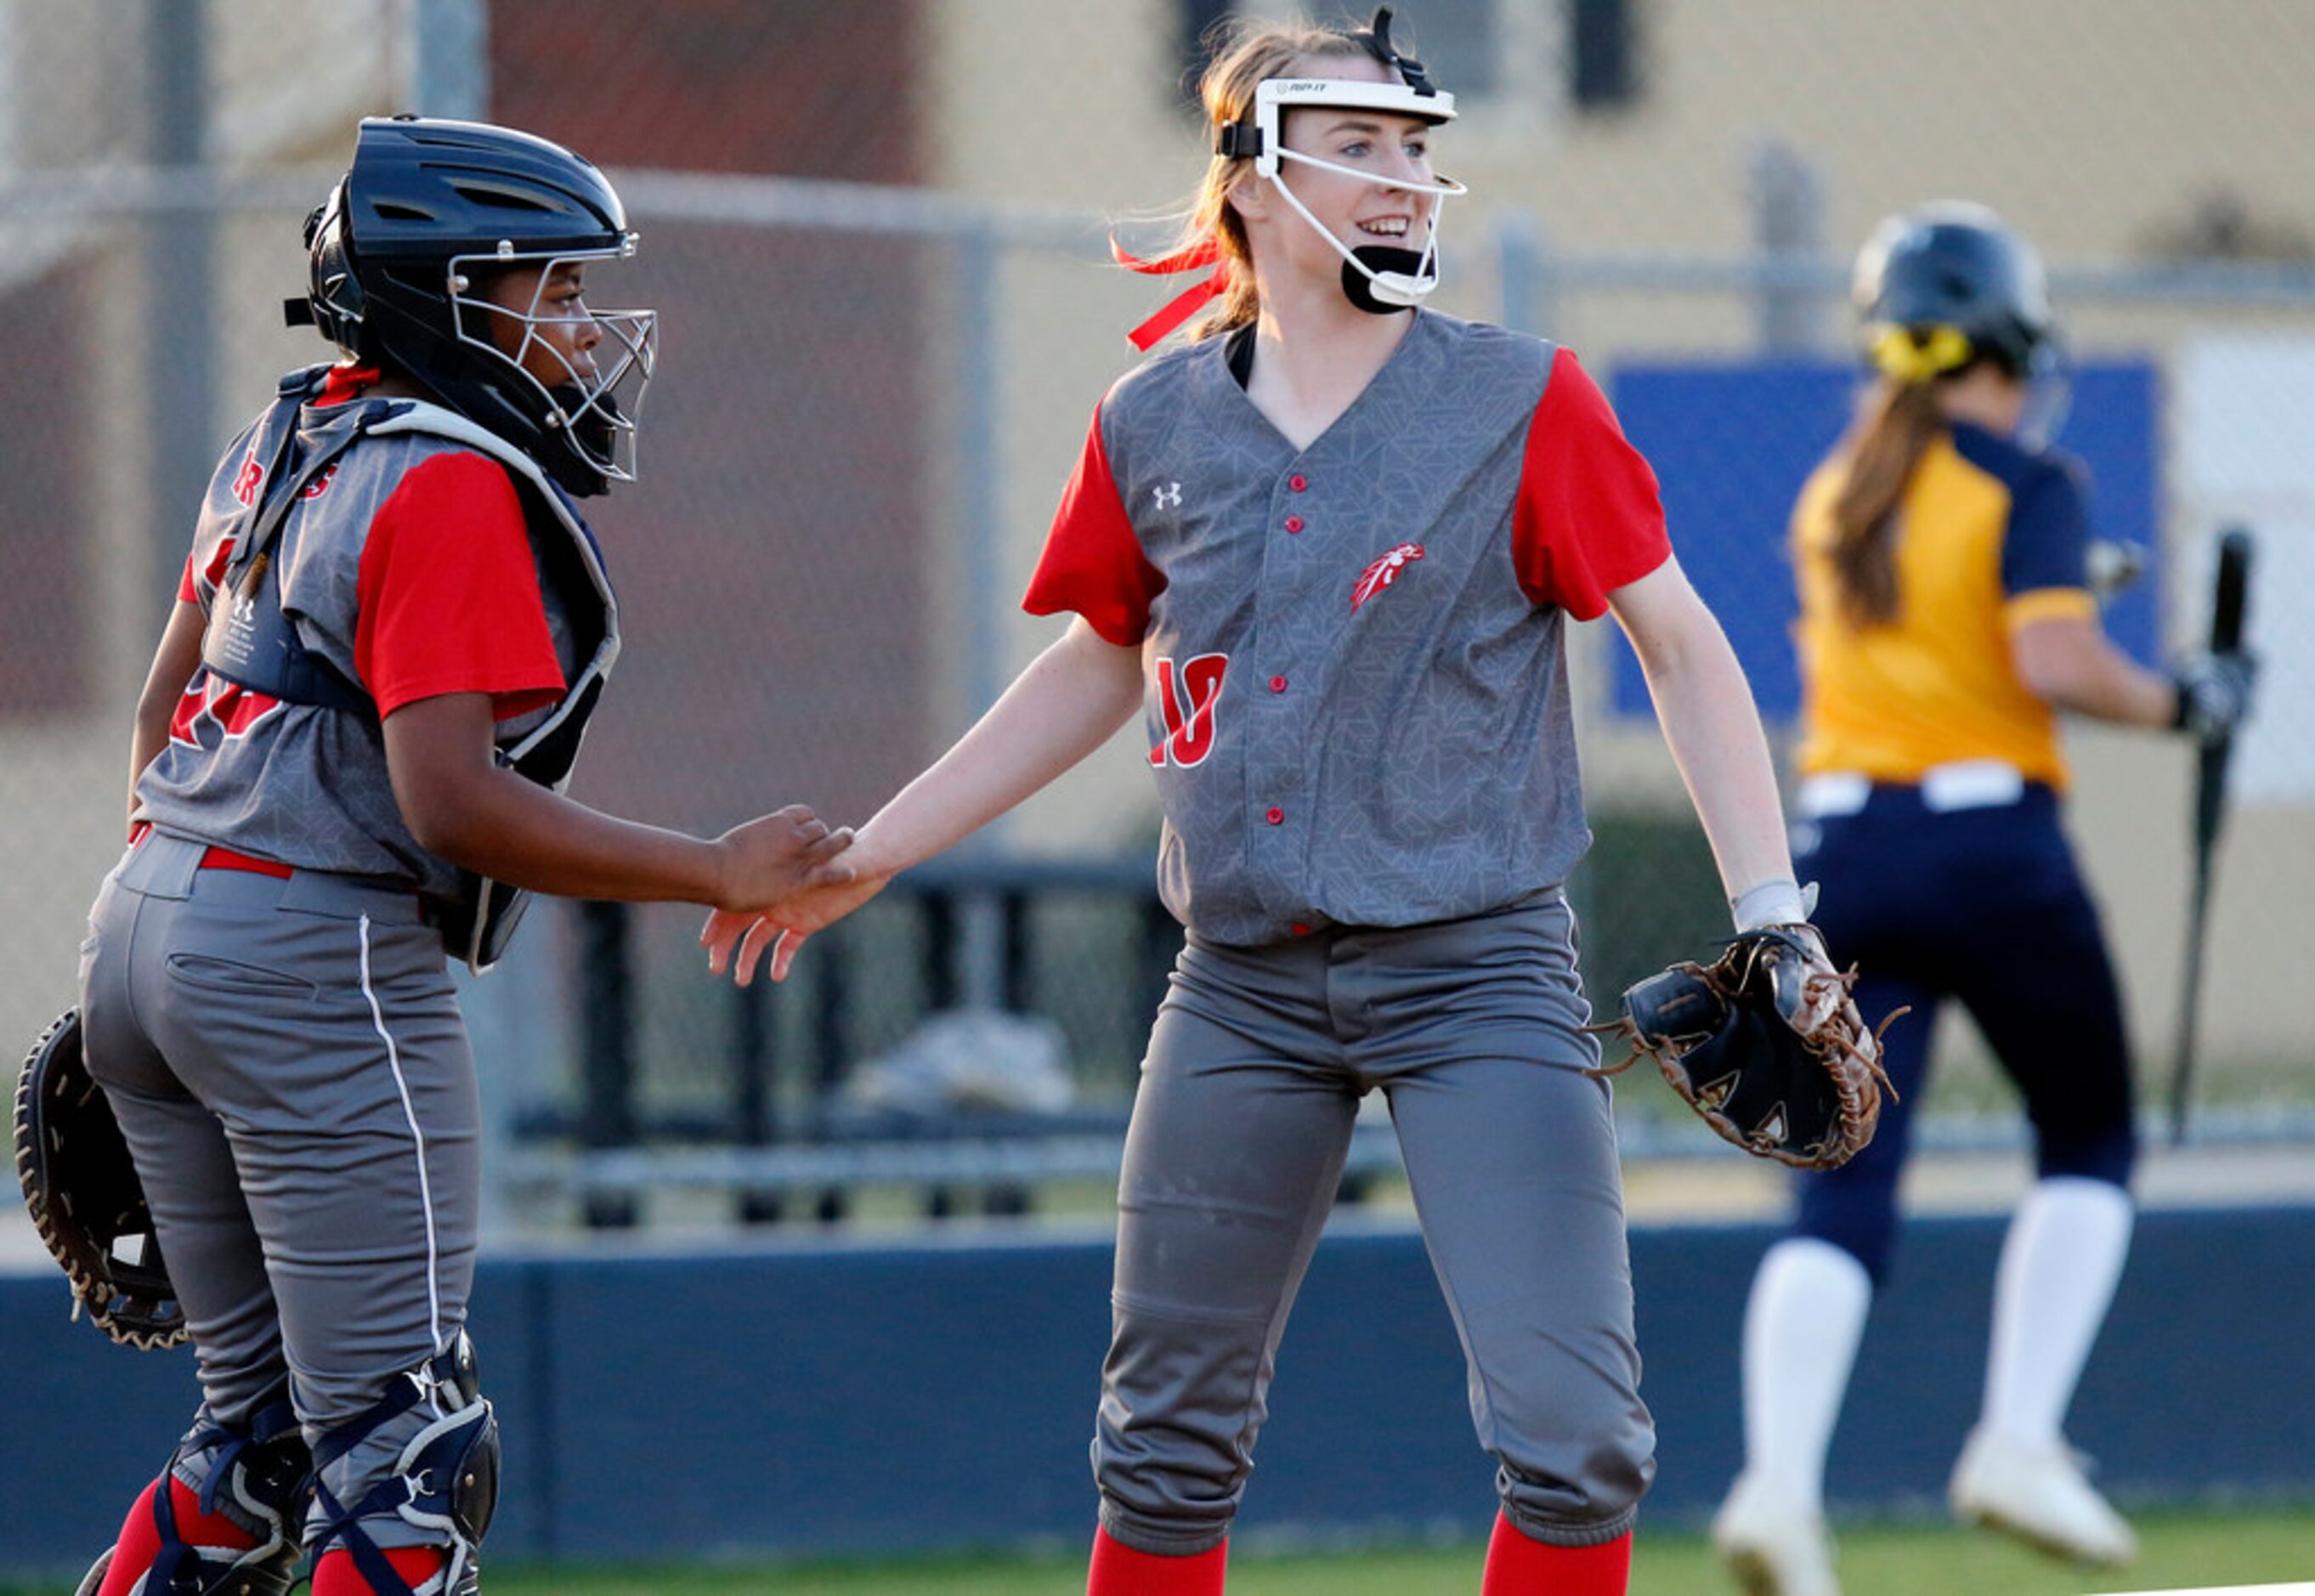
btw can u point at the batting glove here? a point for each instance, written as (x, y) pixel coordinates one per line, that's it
(2214, 693)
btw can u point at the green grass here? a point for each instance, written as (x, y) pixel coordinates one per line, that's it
(2182, 1550)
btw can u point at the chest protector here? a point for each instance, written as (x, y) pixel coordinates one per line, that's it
(255, 643)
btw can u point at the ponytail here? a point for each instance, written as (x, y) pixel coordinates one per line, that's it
(1246, 51)
(1903, 421)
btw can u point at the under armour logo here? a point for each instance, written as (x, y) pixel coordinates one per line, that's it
(1168, 496)
(238, 641)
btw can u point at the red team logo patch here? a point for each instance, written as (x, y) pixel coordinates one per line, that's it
(250, 478)
(1384, 571)
(1189, 728)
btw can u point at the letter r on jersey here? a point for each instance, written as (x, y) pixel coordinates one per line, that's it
(1189, 726)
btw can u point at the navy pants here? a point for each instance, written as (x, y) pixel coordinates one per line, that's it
(1984, 906)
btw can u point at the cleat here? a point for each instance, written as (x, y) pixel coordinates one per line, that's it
(1774, 1545)
(2038, 1494)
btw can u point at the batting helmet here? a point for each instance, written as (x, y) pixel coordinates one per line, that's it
(1946, 285)
(430, 209)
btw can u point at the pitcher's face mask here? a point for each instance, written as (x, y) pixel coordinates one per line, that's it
(1377, 278)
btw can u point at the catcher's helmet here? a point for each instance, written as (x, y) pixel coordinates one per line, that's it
(1948, 284)
(429, 206)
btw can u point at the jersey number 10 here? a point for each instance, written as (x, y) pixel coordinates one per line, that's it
(1189, 727)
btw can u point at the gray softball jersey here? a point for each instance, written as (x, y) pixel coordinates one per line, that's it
(1355, 683)
(306, 784)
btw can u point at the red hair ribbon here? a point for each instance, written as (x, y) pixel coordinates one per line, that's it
(1207, 251)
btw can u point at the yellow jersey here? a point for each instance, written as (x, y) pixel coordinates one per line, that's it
(1989, 536)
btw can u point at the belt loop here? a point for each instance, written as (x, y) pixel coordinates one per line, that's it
(351, 897)
(1972, 783)
(1832, 793)
(162, 866)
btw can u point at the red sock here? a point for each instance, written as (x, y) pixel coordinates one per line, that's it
(338, 1576)
(140, 1538)
(1118, 1570)
(1518, 1566)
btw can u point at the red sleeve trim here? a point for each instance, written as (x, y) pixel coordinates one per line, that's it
(1093, 564)
(448, 593)
(1590, 518)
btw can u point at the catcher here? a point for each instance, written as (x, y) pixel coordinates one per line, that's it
(347, 767)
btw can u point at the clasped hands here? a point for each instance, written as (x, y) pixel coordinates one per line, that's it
(844, 872)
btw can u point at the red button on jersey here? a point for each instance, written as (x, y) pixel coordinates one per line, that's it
(1294, 523)
(1299, 930)
(1276, 816)
(1278, 684)
(1297, 481)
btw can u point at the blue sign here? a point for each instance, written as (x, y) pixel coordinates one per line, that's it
(1733, 442)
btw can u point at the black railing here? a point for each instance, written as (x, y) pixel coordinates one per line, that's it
(783, 1095)
(755, 1100)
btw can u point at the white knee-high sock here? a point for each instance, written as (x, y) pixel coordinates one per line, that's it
(2058, 1264)
(1802, 1325)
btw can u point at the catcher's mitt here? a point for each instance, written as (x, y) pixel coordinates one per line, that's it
(1765, 1044)
(86, 1197)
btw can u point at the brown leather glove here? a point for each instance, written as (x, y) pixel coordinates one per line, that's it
(1765, 1045)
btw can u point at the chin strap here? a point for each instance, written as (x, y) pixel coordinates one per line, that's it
(1195, 257)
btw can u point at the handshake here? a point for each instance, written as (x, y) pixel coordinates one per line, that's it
(777, 856)
(2215, 691)
(781, 878)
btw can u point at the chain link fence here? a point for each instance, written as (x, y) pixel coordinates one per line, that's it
(875, 234)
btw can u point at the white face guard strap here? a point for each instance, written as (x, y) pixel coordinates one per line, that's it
(1396, 282)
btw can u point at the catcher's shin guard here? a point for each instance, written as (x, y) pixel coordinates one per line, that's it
(444, 1478)
(223, 1520)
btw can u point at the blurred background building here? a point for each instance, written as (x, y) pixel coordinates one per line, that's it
(875, 233)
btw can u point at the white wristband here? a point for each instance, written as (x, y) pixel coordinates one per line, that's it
(1781, 902)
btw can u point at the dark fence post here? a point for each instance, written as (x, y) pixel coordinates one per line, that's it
(756, 1103)
(939, 908)
(607, 1049)
(1015, 988)
(829, 989)
(1161, 944)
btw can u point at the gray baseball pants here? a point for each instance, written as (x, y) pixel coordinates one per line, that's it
(1471, 1028)
(289, 1068)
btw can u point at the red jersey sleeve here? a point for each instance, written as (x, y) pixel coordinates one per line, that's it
(1589, 518)
(1093, 564)
(449, 595)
